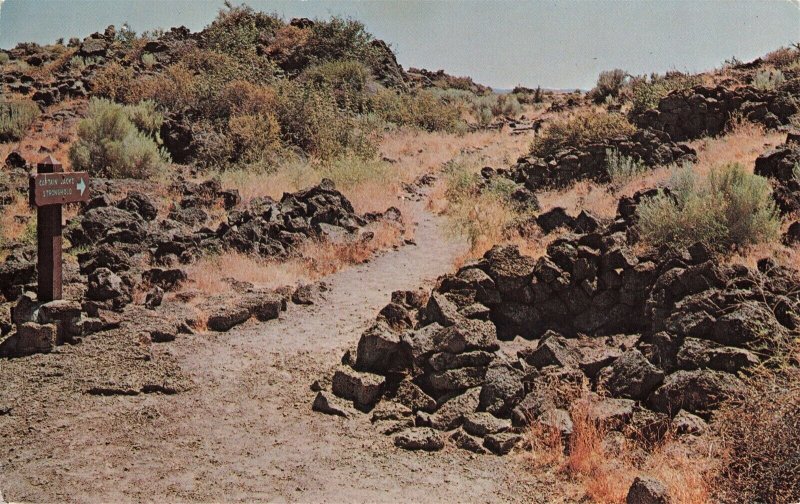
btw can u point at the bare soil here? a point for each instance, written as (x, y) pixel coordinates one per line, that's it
(240, 427)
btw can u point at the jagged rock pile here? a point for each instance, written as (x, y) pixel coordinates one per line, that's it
(275, 228)
(69, 81)
(423, 78)
(589, 162)
(701, 110)
(779, 165)
(127, 245)
(659, 337)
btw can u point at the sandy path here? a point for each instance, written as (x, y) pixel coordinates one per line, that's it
(245, 430)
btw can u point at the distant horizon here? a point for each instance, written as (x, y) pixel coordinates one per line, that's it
(560, 45)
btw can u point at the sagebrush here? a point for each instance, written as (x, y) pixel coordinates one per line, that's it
(109, 143)
(730, 208)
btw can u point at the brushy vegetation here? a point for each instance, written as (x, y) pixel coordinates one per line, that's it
(761, 431)
(579, 130)
(731, 208)
(259, 92)
(784, 57)
(609, 85)
(485, 214)
(622, 168)
(15, 118)
(111, 145)
(768, 80)
(646, 92)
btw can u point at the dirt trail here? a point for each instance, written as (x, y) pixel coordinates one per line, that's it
(245, 430)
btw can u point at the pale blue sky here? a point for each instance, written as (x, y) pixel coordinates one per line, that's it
(556, 44)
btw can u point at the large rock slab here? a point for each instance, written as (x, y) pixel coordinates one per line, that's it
(698, 391)
(419, 438)
(364, 389)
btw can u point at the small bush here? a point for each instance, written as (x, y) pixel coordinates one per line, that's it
(110, 145)
(609, 84)
(783, 57)
(346, 80)
(487, 107)
(175, 88)
(146, 118)
(15, 118)
(647, 93)
(254, 136)
(310, 120)
(768, 80)
(579, 130)
(237, 30)
(424, 109)
(114, 82)
(148, 60)
(730, 208)
(242, 97)
(4, 58)
(622, 168)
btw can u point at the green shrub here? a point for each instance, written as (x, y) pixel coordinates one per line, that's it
(339, 39)
(110, 145)
(147, 119)
(647, 93)
(254, 137)
(148, 60)
(346, 80)
(426, 109)
(487, 107)
(15, 118)
(609, 84)
(4, 58)
(622, 168)
(237, 30)
(580, 130)
(730, 208)
(768, 80)
(310, 120)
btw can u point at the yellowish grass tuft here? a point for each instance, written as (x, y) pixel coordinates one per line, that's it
(604, 471)
(209, 275)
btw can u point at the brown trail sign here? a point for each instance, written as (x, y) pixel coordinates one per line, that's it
(59, 188)
(50, 188)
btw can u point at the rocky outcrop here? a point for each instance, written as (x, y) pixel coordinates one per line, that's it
(779, 166)
(655, 339)
(589, 162)
(701, 110)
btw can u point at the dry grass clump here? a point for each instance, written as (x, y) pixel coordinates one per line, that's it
(605, 464)
(761, 433)
(585, 127)
(485, 215)
(17, 222)
(213, 274)
(743, 143)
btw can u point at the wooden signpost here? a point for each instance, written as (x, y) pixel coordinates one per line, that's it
(50, 188)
